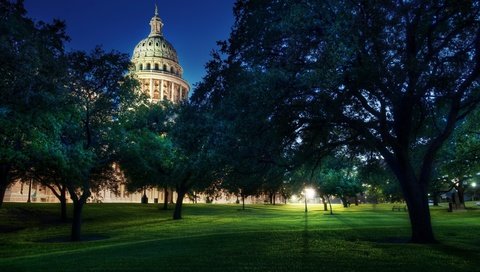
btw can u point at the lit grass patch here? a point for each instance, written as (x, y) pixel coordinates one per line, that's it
(224, 238)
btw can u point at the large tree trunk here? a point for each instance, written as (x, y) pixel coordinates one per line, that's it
(461, 194)
(344, 201)
(3, 189)
(63, 204)
(436, 196)
(330, 204)
(177, 214)
(243, 202)
(170, 198)
(77, 221)
(4, 181)
(61, 194)
(419, 214)
(165, 198)
(78, 203)
(415, 193)
(29, 199)
(324, 201)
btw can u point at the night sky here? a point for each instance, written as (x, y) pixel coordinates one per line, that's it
(192, 26)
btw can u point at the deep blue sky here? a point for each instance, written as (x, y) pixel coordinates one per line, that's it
(192, 26)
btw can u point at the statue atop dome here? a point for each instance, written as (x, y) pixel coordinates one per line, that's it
(156, 24)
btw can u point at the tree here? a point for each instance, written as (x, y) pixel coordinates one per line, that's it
(192, 162)
(458, 161)
(391, 77)
(48, 165)
(99, 91)
(248, 166)
(378, 181)
(143, 148)
(341, 176)
(31, 76)
(241, 185)
(415, 92)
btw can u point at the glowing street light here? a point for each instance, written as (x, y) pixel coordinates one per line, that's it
(474, 184)
(309, 194)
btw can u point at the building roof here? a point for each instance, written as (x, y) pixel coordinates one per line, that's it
(155, 45)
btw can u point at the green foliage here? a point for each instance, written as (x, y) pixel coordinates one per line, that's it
(194, 163)
(380, 184)
(99, 93)
(31, 88)
(301, 79)
(142, 146)
(459, 157)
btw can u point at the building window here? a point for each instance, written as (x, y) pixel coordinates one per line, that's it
(171, 70)
(148, 66)
(164, 67)
(140, 67)
(156, 66)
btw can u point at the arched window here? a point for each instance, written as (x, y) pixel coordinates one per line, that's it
(156, 66)
(140, 67)
(171, 70)
(148, 66)
(164, 67)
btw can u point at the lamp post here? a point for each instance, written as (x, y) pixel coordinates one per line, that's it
(474, 185)
(309, 193)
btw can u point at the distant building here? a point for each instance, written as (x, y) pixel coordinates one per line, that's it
(157, 67)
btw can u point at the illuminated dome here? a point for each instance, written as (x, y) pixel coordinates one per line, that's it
(157, 66)
(155, 46)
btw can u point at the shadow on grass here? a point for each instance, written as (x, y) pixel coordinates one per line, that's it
(355, 234)
(66, 239)
(7, 229)
(457, 251)
(244, 210)
(306, 237)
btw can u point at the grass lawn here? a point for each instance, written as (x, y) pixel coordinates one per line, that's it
(135, 237)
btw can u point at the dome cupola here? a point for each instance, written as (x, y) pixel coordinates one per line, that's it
(157, 67)
(156, 24)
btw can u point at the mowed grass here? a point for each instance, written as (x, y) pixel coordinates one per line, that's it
(135, 237)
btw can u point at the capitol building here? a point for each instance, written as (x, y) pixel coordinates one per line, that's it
(156, 65)
(159, 72)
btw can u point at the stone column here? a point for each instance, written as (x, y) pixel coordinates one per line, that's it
(151, 88)
(161, 90)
